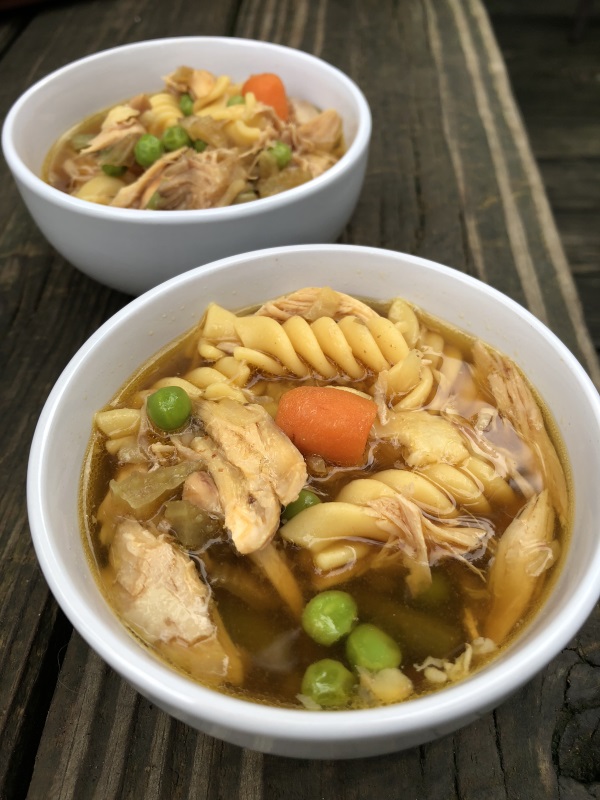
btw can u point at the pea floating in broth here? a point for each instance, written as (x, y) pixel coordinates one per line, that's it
(262, 547)
(203, 141)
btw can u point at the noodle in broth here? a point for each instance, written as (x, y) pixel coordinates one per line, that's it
(360, 459)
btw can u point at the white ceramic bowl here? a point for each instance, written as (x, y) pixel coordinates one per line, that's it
(147, 323)
(133, 250)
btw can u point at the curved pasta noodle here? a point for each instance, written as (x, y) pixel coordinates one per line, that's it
(242, 134)
(173, 380)
(221, 111)
(424, 438)
(362, 342)
(417, 397)
(317, 526)
(341, 554)
(100, 189)
(216, 384)
(419, 489)
(217, 90)
(333, 343)
(163, 113)
(268, 336)
(495, 488)
(364, 490)
(118, 422)
(324, 347)
(431, 344)
(405, 319)
(461, 486)
(306, 344)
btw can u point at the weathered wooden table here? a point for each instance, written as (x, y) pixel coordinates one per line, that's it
(451, 178)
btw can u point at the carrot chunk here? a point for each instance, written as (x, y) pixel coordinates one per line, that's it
(269, 89)
(328, 422)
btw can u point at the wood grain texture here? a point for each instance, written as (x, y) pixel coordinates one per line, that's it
(555, 82)
(451, 177)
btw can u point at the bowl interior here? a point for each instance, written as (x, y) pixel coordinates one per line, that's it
(152, 320)
(69, 95)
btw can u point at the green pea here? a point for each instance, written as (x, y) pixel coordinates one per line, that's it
(305, 499)
(371, 648)
(282, 153)
(200, 146)
(236, 100)
(113, 170)
(328, 683)
(186, 104)
(169, 408)
(175, 137)
(329, 615)
(148, 149)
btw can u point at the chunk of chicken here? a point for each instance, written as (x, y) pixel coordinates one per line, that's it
(200, 490)
(526, 549)
(158, 592)
(185, 179)
(423, 438)
(137, 194)
(302, 110)
(120, 125)
(254, 465)
(322, 132)
(197, 82)
(312, 303)
(515, 400)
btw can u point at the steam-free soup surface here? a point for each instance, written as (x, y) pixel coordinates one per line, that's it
(325, 503)
(203, 141)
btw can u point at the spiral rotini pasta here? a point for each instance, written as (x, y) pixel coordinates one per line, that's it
(323, 348)
(203, 141)
(320, 443)
(164, 112)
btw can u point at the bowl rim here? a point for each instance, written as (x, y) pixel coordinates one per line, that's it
(244, 210)
(466, 700)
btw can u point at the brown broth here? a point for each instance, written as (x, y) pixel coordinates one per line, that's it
(436, 623)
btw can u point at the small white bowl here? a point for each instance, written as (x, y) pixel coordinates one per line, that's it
(134, 334)
(133, 250)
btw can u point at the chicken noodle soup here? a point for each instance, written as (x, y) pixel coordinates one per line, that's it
(325, 503)
(203, 141)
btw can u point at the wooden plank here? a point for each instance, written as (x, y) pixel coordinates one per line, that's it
(443, 182)
(47, 310)
(555, 82)
(551, 8)
(556, 87)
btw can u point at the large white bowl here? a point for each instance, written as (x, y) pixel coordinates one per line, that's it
(133, 250)
(150, 321)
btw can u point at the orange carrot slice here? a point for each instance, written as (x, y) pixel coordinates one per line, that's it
(269, 89)
(327, 422)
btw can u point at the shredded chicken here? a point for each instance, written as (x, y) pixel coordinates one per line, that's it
(120, 124)
(254, 466)
(526, 549)
(200, 490)
(132, 196)
(516, 401)
(158, 591)
(322, 132)
(196, 82)
(312, 303)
